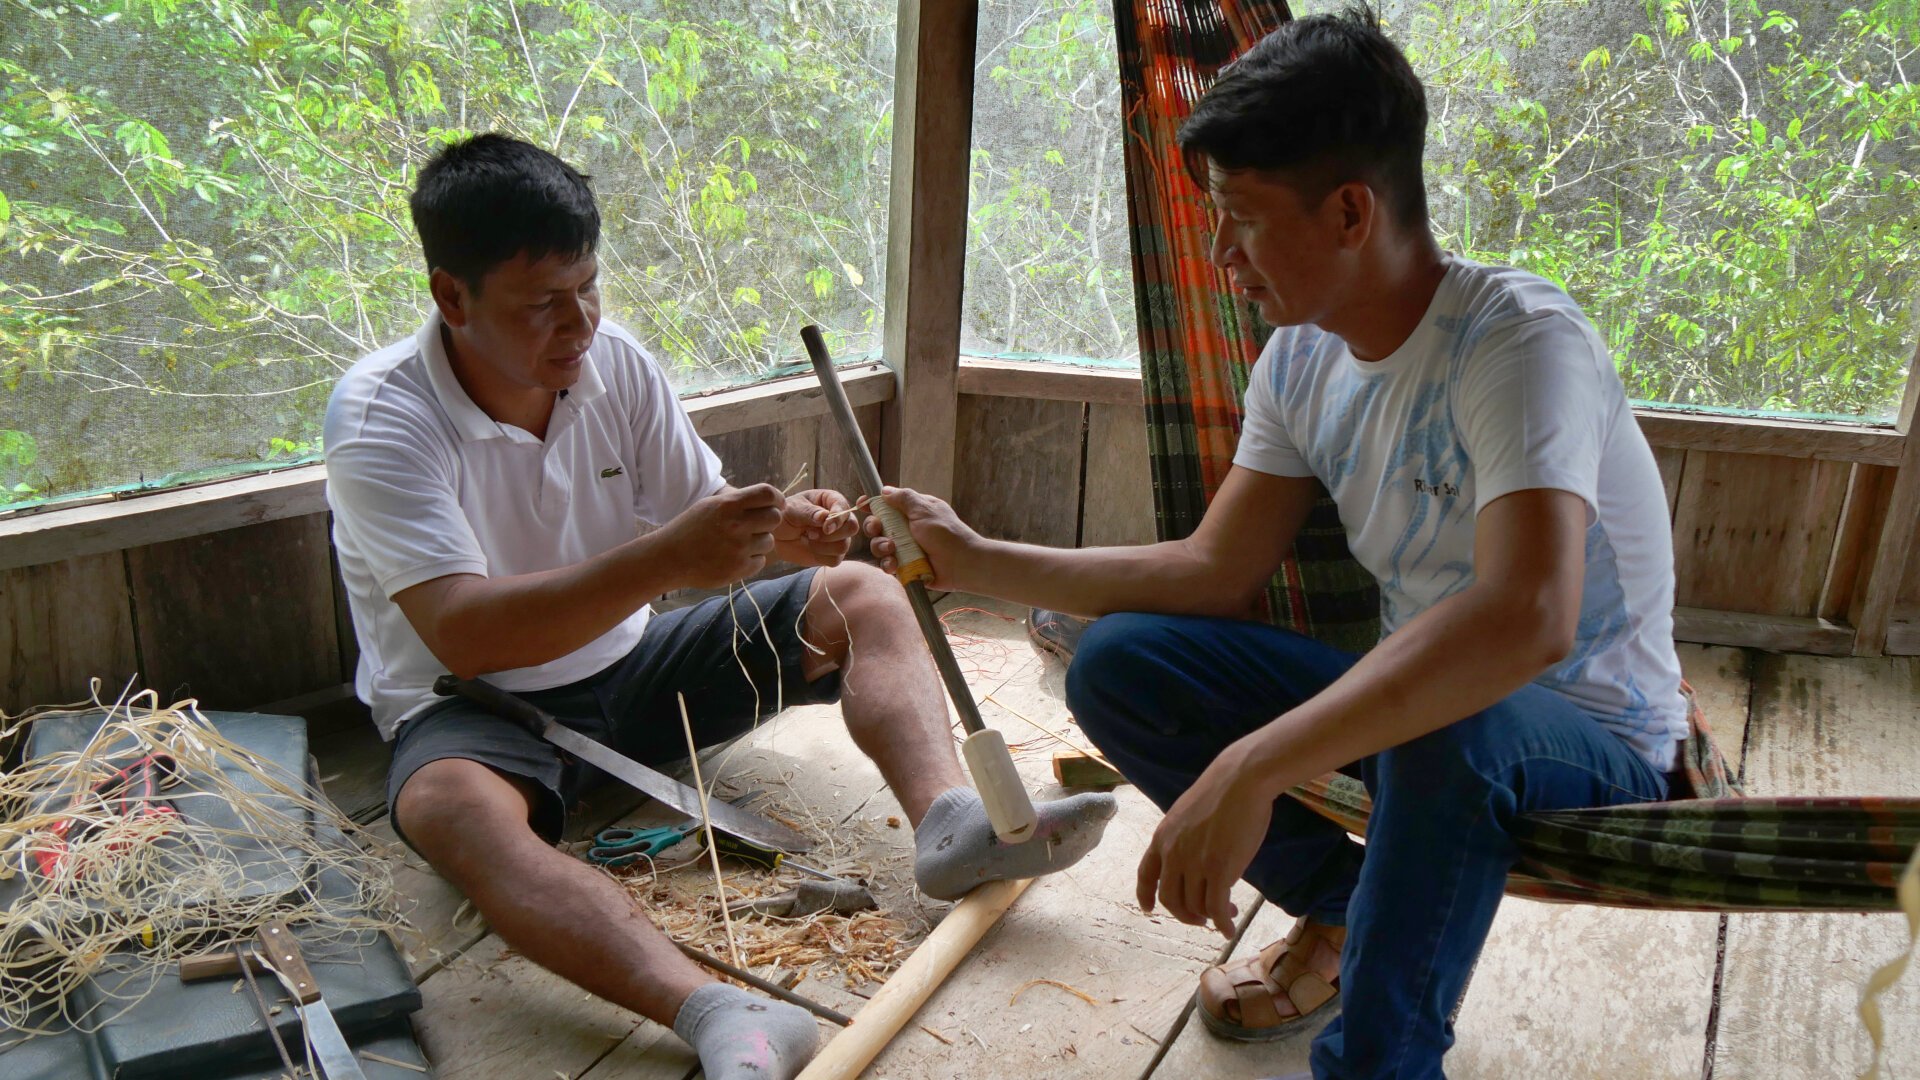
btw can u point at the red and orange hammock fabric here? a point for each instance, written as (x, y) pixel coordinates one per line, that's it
(1709, 850)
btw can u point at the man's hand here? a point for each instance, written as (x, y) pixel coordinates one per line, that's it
(1204, 844)
(935, 527)
(816, 528)
(723, 538)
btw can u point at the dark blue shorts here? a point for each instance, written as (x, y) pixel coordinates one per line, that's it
(632, 706)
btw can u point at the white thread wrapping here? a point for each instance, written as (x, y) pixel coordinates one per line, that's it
(906, 551)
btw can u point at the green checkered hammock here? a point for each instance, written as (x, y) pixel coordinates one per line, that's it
(1712, 850)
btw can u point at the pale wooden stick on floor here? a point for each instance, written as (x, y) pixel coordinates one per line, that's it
(910, 987)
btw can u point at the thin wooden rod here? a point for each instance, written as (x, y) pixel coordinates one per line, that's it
(1186, 1014)
(759, 983)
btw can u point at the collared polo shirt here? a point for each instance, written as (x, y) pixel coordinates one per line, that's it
(424, 484)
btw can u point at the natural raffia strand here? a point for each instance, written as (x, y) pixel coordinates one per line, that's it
(167, 886)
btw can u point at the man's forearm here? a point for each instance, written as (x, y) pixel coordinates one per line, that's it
(496, 624)
(1463, 655)
(1169, 578)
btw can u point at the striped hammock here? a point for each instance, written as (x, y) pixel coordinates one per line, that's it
(1712, 849)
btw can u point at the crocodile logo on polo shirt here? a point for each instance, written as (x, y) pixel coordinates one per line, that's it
(608, 474)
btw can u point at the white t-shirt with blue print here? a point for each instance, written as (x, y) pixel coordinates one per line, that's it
(1504, 386)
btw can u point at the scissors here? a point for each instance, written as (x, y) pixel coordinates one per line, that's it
(614, 848)
(131, 791)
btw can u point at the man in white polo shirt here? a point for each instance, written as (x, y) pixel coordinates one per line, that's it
(511, 486)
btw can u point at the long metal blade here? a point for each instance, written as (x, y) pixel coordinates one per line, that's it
(336, 1057)
(674, 793)
(508, 706)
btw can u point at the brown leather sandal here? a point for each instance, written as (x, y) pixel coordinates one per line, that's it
(1237, 1000)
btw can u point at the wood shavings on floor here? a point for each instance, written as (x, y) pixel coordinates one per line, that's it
(677, 892)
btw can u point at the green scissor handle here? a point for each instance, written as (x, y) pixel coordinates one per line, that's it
(619, 847)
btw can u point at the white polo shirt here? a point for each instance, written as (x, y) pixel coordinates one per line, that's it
(424, 484)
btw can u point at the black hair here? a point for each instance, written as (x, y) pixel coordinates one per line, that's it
(482, 201)
(1323, 100)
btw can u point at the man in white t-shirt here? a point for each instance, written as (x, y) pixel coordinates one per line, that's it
(1470, 425)
(511, 486)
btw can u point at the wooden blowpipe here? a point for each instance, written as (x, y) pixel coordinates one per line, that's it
(1001, 789)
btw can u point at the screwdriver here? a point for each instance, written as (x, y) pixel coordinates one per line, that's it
(765, 857)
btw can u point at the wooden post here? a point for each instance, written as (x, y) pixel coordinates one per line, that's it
(909, 988)
(1888, 570)
(927, 238)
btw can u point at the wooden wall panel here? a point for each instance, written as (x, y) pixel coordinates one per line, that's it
(1672, 464)
(1017, 468)
(241, 617)
(751, 456)
(1754, 532)
(799, 458)
(1117, 500)
(834, 466)
(343, 617)
(62, 624)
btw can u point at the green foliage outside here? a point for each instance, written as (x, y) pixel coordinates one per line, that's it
(1730, 190)
(203, 202)
(203, 212)
(1049, 271)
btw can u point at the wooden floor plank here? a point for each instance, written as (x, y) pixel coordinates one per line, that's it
(1575, 991)
(353, 769)
(1722, 681)
(1821, 726)
(1198, 1053)
(496, 1014)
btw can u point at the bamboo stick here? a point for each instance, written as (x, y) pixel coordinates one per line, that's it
(910, 987)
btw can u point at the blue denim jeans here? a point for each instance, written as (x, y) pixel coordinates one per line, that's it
(1162, 696)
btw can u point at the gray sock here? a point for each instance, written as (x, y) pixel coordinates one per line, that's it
(955, 847)
(743, 1037)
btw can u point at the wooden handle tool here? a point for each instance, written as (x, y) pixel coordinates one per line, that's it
(1001, 789)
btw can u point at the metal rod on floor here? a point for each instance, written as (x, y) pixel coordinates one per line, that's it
(759, 983)
(1186, 1014)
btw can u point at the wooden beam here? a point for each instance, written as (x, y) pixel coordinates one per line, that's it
(69, 532)
(927, 238)
(718, 412)
(1783, 438)
(1755, 532)
(1773, 633)
(1664, 428)
(1056, 382)
(1887, 572)
(1859, 529)
(66, 532)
